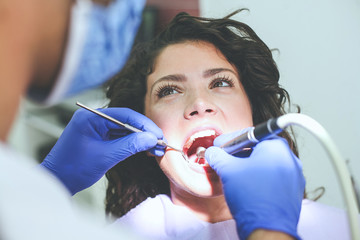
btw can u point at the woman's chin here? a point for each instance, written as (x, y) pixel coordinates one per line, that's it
(196, 178)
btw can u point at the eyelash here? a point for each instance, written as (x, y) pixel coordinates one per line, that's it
(225, 79)
(161, 91)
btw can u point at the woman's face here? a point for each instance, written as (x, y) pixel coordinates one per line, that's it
(194, 95)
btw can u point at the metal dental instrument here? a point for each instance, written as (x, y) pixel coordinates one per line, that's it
(129, 127)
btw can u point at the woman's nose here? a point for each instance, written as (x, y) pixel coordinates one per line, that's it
(199, 106)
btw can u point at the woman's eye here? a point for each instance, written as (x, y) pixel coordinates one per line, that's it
(166, 91)
(222, 82)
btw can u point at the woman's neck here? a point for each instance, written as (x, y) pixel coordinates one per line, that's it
(209, 209)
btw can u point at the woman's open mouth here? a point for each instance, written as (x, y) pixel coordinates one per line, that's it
(202, 139)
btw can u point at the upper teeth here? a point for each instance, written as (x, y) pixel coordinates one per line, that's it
(204, 133)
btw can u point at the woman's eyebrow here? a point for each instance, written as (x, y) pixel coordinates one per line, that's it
(213, 71)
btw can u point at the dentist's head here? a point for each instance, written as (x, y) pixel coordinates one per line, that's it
(98, 42)
(54, 49)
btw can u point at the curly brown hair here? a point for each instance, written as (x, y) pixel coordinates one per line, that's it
(140, 177)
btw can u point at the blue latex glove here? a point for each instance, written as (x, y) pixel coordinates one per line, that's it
(264, 190)
(90, 145)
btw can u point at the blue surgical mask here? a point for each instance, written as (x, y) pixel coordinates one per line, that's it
(100, 40)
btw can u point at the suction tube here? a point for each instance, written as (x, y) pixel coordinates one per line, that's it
(338, 163)
(276, 125)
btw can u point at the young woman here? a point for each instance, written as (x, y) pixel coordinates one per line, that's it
(198, 79)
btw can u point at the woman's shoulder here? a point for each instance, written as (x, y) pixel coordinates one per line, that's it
(159, 218)
(321, 221)
(148, 210)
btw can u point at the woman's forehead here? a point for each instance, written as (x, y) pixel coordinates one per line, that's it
(190, 55)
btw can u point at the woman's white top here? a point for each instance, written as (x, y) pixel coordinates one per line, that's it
(159, 218)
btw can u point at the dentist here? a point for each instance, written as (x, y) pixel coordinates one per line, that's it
(51, 50)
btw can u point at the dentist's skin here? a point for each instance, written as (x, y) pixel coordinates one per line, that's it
(31, 50)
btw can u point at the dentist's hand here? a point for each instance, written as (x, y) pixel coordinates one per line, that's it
(263, 190)
(90, 145)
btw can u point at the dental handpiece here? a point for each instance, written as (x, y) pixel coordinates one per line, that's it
(127, 126)
(274, 126)
(249, 138)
